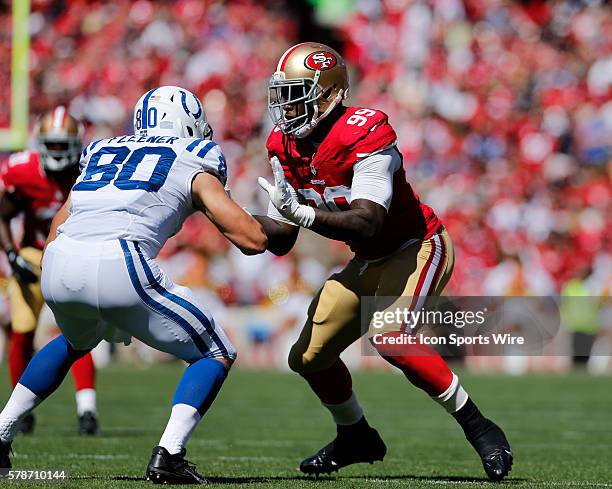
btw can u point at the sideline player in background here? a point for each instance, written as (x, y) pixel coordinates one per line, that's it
(344, 163)
(36, 184)
(101, 280)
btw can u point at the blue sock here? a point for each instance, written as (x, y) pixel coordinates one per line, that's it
(49, 367)
(200, 384)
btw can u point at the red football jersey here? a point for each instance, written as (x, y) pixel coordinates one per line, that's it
(38, 196)
(323, 176)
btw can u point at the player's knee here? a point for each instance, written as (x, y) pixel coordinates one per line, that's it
(231, 355)
(228, 356)
(297, 361)
(226, 362)
(306, 362)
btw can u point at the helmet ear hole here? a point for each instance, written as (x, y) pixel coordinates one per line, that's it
(327, 93)
(190, 131)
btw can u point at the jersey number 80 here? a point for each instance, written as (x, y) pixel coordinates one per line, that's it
(121, 168)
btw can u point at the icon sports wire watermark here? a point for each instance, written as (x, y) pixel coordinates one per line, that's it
(487, 326)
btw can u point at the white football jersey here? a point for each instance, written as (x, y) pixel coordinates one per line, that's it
(138, 188)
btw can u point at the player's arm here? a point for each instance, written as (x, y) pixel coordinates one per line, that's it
(8, 210)
(281, 236)
(22, 269)
(210, 197)
(371, 194)
(282, 233)
(361, 222)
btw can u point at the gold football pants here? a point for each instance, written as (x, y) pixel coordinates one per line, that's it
(26, 300)
(334, 315)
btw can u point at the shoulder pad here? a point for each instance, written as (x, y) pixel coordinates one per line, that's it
(366, 131)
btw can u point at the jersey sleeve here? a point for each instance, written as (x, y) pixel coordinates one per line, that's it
(87, 152)
(6, 178)
(15, 172)
(373, 177)
(369, 132)
(203, 156)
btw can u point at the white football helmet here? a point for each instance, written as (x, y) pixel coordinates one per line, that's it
(171, 111)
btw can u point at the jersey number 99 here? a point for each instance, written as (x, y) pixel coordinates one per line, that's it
(122, 167)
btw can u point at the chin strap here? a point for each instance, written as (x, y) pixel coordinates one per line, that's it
(315, 120)
(332, 106)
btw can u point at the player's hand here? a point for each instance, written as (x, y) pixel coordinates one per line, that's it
(22, 269)
(284, 197)
(279, 193)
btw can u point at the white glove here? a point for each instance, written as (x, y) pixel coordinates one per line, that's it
(284, 197)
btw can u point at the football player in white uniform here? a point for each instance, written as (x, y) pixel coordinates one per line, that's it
(100, 277)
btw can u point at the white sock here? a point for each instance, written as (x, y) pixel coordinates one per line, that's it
(21, 402)
(453, 398)
(183, 420)
(85, 401)
(346, 413)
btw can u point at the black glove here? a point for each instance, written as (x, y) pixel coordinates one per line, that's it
(22, 269)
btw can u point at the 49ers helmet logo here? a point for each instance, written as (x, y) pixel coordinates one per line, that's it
(320, 60)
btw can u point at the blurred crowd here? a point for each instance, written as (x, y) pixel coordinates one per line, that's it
(504, 116)
(503, 111)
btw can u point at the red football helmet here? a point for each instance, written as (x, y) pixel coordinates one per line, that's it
(59, 137)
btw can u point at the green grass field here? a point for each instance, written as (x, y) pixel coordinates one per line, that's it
(264, 423)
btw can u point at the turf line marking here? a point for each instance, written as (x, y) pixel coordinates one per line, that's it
(481, 482)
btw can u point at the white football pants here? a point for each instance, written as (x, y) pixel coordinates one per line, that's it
(111, 290)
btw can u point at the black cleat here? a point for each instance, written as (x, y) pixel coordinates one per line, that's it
(172, 469)
(488, 440)
(88, 424)
(357, 445)
(26, 425)
(494, 451)
(498, 463)
(5, 460)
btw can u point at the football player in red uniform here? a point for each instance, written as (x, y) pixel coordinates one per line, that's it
(337, 171)
(36, 184)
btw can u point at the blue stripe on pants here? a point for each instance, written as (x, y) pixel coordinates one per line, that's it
(182, 322)
(181, 302)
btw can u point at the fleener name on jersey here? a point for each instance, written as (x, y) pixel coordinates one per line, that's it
(144, 139)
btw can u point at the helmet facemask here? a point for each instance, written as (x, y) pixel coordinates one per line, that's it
(297, 95)
(59, 153)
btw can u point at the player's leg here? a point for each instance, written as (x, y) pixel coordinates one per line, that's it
(69, 287)
(416, 273)
(26, 302)
(426, 271)
(333, 324)
(84, 376)
(169, 319)
(42, 377)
